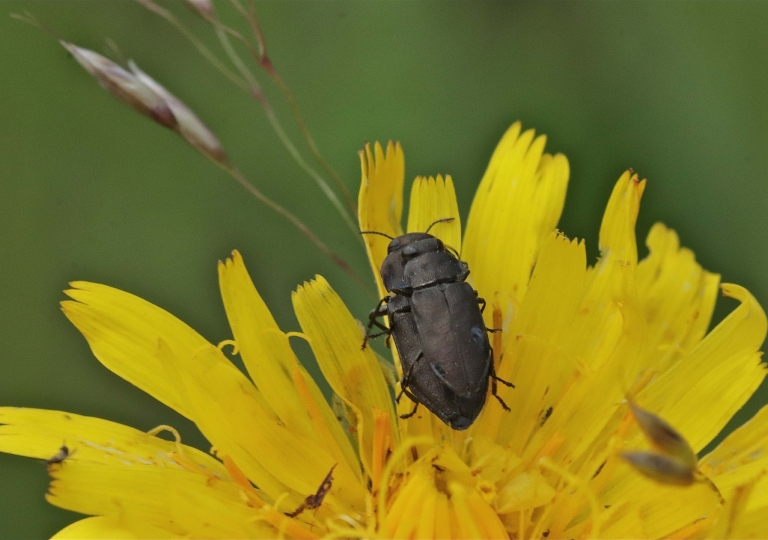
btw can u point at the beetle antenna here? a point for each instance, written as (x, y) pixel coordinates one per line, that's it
(379, 233)
(442, 220)
(453, 250)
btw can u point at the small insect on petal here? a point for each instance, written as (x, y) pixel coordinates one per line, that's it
(664, 437)
(661, 468)
(63, 453)
(314, 500)
(123, 85)
(189, 125)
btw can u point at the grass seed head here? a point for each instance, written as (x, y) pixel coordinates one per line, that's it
(123, 85)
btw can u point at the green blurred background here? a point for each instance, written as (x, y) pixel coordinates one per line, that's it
(93, 191)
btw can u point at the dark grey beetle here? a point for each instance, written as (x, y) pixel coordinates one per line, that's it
(435, 319)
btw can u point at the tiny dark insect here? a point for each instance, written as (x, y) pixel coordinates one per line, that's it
(436, 320)
(60, 456)
(546, 415)
(316, 499)
(599, 469)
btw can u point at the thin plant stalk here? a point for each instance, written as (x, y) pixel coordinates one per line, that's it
(223, 162)
(244, 82)
(258, 94)
(250, 188)
(199, 45)
(265, 62)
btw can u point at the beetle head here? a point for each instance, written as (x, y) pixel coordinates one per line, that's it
(418, 242)
(401, 250)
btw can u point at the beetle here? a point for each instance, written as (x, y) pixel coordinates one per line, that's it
(435, 319)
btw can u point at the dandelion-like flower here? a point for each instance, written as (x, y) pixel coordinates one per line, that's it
(608, 361)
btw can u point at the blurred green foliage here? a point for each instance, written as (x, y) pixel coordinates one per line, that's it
(93, 191)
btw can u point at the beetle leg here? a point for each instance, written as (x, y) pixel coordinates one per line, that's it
(482, 303)
(406, 380)
(385, 331)
(495, 389)
(496, 379)
(377, 324)
(415, 407)
(377, 334)
(404, 390)
(497, 396)
(379, 311)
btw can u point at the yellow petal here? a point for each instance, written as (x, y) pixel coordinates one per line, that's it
(610, 307)
(152, 349)
(469, 524)
(617, 231)
(108, 527)
(742, 455)
(664, 509)
(231, 415)
(524, 491)
(39, 433)
(401, 521)
(605, 337)
(625, 523)
(380, 201)
(678, 297)
(426, 525)
(692, 396)
(517, 205)
(432, 200)
(261, 344)
(453, 508)
(326, 427)
(750, 525)
(353, 373)
(177, 501)
(273, 366)
(533, 356)
(698, 395)
(123, 331)
(702, 391)
(491, 461)
(444, 527)
(735, 508)
(484, 516)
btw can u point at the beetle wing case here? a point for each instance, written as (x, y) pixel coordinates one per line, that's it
(424, 384)
(453, 336)
(433, 268)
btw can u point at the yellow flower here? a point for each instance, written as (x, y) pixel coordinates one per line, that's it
(600, 355)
